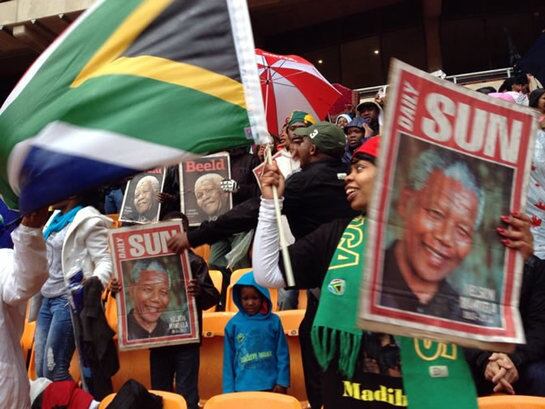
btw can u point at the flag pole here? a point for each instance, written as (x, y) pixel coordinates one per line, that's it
(281, 235)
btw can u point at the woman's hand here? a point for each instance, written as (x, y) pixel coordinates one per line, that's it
(517, 235)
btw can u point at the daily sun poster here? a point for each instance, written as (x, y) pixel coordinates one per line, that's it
(452, 162)
(154, 308)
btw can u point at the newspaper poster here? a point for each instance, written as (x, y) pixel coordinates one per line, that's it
(452, 162)
(201, 196)
(140, 204)
(153, 305)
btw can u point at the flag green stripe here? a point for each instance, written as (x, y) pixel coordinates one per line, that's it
(203, 123)
(57, 73)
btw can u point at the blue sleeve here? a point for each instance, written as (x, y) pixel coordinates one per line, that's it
(228, 379)
(282, 357)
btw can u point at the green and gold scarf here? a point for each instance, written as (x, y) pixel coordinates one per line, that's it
(334, 329)
(435, 374)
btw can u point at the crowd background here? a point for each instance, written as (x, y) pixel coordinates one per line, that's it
(314, 194)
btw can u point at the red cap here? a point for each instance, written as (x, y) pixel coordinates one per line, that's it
(370, 147)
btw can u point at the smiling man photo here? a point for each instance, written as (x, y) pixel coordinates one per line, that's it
(145, 199)
(441, 208)
(150, 295)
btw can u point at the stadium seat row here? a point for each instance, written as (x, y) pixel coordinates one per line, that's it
(135, 364)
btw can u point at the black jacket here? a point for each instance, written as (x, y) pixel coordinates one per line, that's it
(313, 196)
(242, 166)
(532, 312)
(134, 395)
(99, 351)
(311, 255)
(171, 186)
(209, 295)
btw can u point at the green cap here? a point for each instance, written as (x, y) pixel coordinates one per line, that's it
(327, 137)
(300, 116)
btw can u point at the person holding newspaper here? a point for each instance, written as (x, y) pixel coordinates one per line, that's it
(178, 365)
(523, 370)
(314, 195)
(320, 259)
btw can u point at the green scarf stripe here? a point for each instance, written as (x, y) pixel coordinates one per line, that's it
(436, 375)
(333, 334)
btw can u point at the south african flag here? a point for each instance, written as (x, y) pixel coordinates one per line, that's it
(131, 85)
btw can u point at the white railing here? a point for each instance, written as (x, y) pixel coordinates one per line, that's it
(477, 76)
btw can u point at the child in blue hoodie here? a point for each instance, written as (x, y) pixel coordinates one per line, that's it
(255, 355)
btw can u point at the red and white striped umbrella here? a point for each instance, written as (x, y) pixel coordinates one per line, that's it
(291, 83)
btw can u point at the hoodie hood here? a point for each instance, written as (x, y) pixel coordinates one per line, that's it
(248, 280)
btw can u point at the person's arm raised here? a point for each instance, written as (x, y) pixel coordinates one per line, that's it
(265, 254)
(28, 265)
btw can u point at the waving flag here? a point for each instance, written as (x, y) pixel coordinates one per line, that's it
(131, 85)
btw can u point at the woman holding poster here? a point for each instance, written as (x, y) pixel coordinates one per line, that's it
(76, 238)
(361, 369)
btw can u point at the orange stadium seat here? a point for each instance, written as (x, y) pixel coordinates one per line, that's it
(291, 319)
(110, 310)
(170, 400)
(235, 276)
(239, 400)
(302, 305)
(290, 322)
(133, 365)
(27, 339)
(203, 251)
(511, 402)
(217, 278)
(211, 365)
(115, 218)
(213, 323)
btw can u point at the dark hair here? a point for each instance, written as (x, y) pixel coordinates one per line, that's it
(90, 198)
(507, 84)
(486, 90)
(534, 97)
(363, 156)
(519, 79)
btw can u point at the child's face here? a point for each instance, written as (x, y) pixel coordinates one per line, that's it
(251, 300)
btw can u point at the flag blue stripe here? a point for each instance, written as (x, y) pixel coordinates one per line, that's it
(47, 176)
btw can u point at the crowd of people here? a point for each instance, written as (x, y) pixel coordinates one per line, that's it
(324, 173)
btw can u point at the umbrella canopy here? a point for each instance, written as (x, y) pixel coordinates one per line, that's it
(290, 83)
